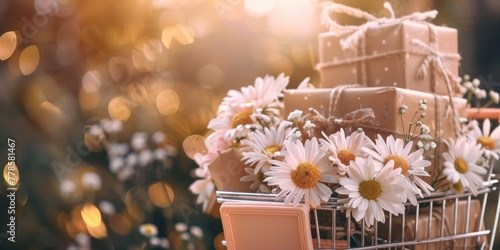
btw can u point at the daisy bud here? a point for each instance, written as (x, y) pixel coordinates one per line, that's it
(419, 123)
(422, 106)
(476, 82)
(360, 131)
(403, 109)
(423, 115)
(425, 129)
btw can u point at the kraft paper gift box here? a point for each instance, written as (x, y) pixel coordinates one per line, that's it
(385, 103)
(387, 55)
(437, 223)
(226, 171)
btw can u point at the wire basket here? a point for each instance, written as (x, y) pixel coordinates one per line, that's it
(442, 220)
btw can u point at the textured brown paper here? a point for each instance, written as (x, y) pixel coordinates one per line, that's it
(226, 171)
(436, 224)
(399, 68)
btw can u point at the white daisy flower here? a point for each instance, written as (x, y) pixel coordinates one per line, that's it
(341, 149)
(264, 92)
(257, 180)
(412, 164)
(488, 141)
(262, 146)
(371, 193)
(460, 164)
(301, 173)
(148, 230)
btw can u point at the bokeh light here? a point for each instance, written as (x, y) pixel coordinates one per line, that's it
(161, 194)
(8, 44)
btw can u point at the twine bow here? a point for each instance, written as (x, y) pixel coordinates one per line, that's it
(357, 32)
(435, 61)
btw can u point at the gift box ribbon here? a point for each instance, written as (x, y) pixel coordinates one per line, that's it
(434, 60)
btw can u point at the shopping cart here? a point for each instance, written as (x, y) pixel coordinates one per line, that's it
(442, 220)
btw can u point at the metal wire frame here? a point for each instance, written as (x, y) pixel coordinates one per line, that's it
(439, 200)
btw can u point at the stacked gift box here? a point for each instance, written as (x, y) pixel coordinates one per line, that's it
(382, 66)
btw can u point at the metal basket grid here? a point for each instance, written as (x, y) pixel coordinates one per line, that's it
(370, 238)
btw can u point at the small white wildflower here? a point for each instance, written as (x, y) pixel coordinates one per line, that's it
(433, 145)
(360, 131)
(476, 82)
(427, 147)
(425, 129)
(483, 93)
(118, 149)
(422, 106)
(181, 227)
(139, 140)
(468, 85)
(67, 187)
(294, 115)
(107, 207)
(463, 120)
(419, 123)
(295, 136)
(91, 181)
(131, 160)
(145, 157)
(196, 231)
(309, 125)
(403, 109)
(125, 173)
(425, 137)
(116, 163)
(154, 241)
(148, 230)
(477, 93)
(82, 239)
(494, 96)
(423, 115)
(462, 90)
(95, 131)
(466, 77)
(185, 236)
(420, 144)
(423, 101)
(111, 126)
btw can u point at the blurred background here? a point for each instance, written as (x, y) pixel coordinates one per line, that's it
(85, 82)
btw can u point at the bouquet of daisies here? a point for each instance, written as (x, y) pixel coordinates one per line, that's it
(303, 157)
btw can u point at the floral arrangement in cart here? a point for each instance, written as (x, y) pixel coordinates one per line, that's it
(303, 157)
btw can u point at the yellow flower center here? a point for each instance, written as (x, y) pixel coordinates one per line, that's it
(461, 165)
(241, 118)
(399, 162)
(306, 175)
(272, 148)
(486, 142)
(346, 156)
(370, 189)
